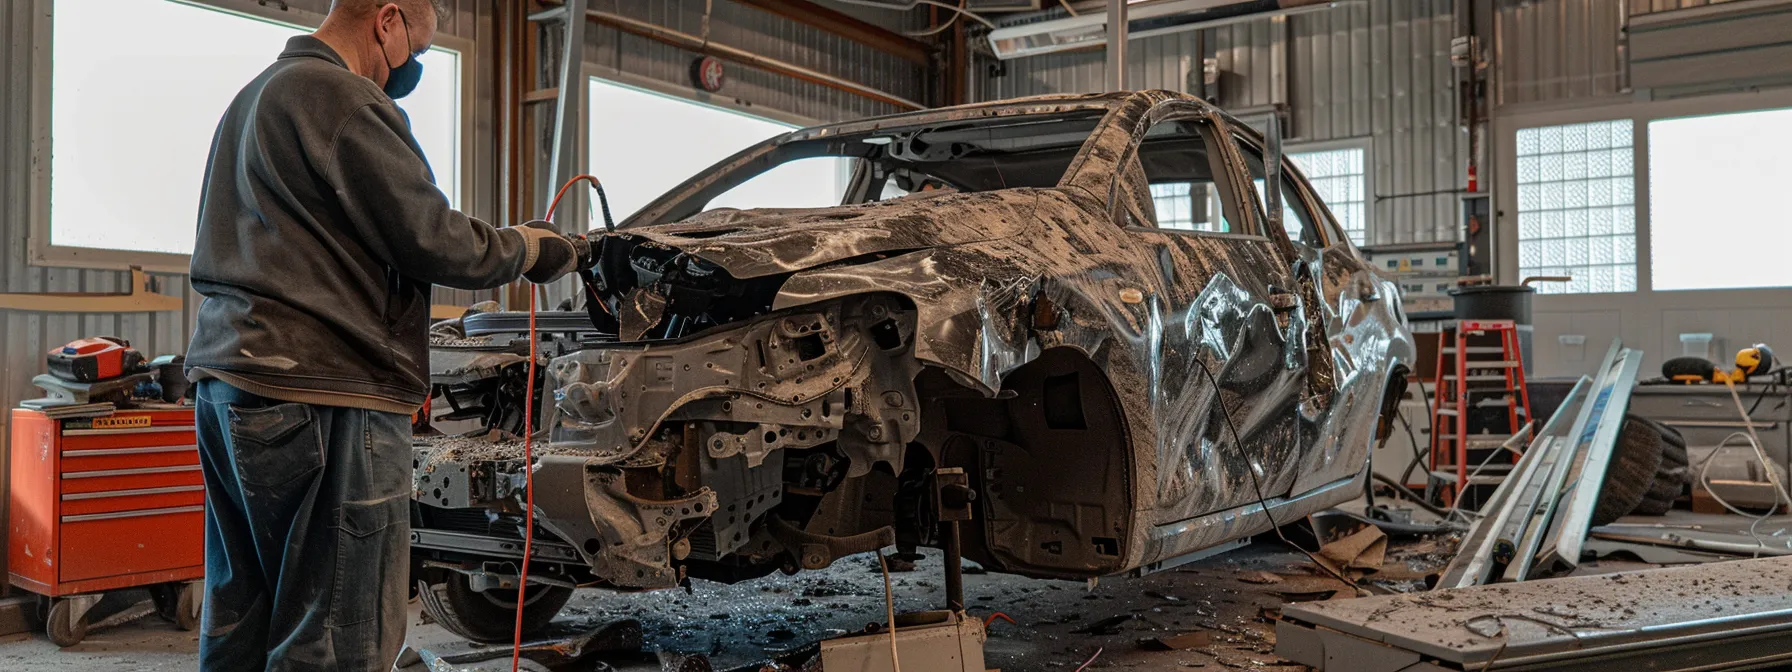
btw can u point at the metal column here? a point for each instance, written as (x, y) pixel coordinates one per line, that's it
(569, 108)
(1117, 45)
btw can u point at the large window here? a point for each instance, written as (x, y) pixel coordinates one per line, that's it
(1715, 200)
(137, 88)
(1576, 206)
(642, 144)
(1340, 178)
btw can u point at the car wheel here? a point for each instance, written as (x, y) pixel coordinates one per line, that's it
(1635, 462)
(1671, 479)
(490, 616)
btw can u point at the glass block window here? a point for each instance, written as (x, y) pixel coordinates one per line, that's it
(1340, 179)
(1187, 206)
(1576, 206)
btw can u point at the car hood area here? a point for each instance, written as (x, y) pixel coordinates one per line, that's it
(769, 241)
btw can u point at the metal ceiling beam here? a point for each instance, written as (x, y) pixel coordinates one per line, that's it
(699, 45)
(846, 26)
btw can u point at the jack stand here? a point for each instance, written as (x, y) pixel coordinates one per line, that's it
(953, 496)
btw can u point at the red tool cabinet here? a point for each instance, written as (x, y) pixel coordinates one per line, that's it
(105, 503)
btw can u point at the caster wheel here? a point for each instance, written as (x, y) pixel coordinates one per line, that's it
(179, 603)
(187, 605)
(63, 627)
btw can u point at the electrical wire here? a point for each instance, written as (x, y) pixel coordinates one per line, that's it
(1705, 481)
(1091, 660)
(1754, 441)
(1256, 485)
(934, 30)
(522, 583)
(917, 3)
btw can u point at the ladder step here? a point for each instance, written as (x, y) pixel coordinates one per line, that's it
(1480, 378)
(1477, 349)
(1479, 440)
(1483, 478)
(1485, 402)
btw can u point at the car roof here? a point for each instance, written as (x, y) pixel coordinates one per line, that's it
(1043, 104)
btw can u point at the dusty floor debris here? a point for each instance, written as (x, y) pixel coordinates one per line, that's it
(734, 625)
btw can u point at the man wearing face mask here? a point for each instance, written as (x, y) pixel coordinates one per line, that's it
(320, 235)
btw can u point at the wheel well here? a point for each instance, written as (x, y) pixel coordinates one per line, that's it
(1051, 460)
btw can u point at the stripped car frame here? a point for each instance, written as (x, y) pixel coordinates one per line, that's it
(776, 388)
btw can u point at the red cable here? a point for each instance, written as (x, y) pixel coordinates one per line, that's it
(516, 645)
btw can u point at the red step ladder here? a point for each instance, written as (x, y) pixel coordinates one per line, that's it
(1470, 377)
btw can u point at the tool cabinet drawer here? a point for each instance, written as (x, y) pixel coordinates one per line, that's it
(78, 464)
(129, 542)
(132, 499)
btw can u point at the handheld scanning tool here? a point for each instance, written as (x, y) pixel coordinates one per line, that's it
(1750, 361)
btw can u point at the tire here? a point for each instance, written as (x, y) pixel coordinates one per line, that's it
(490, 616)
(63, 630)
(179, 603)
(1673, 476)
(1635, 462)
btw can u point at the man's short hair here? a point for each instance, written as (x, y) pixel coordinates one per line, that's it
(365, 7)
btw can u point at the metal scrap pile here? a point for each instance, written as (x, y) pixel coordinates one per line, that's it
(1536, 523)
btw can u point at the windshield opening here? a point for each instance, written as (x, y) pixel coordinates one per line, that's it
(888, 163)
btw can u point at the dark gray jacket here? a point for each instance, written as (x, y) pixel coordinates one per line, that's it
(321, 232)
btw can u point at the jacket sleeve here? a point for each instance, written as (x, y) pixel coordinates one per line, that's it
(392, 203)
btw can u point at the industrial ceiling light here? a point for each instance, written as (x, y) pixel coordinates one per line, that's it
(1037, 37)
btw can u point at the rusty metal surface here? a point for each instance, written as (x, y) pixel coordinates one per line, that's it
(1232, 367)
(1557, 620)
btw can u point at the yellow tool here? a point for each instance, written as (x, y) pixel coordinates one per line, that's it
(1750, 361)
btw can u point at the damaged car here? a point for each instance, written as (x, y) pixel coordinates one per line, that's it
(1070, 326)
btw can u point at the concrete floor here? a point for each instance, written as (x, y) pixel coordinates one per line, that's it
(736, 625)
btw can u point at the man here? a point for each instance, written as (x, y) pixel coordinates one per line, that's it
(320, 234)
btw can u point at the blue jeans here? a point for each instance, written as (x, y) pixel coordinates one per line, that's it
(307, 533)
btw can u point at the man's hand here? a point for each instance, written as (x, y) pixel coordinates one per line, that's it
(553, 255)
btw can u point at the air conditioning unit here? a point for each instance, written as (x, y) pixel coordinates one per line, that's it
(1144, 20)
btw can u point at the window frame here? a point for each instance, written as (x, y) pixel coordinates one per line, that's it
(1324, 222)
(44, 254)
(1367, 145)
(1214, 130)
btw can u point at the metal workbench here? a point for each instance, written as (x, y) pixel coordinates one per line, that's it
(1726, 615)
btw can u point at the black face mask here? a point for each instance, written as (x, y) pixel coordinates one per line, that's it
(402, 79)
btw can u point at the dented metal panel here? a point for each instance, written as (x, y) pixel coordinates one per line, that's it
(1120, 394)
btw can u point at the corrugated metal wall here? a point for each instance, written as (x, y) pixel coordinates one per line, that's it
(1378, 71)
(1559, 50)
(767, 35)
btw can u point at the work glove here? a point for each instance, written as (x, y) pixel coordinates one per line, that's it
(551, 255)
